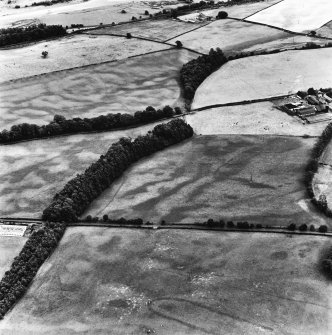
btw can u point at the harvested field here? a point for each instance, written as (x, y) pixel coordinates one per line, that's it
(89, 13)
(322, 183)
(325, 30)
(120, 87)
(160, 30)
(69, 52)
(31, 173)
(235, 36)
(253, 178)
(260, 118)
(237, 11)
(266, 76)
(118, 281)
(296, 15)
(10, 247)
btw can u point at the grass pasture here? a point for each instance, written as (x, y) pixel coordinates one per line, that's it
(234, 36)
(69, 52)
(266, 76)
(119, 87)
(10, 247)
(260, 118)
(252, 178)
(31, 173)
(119, 281)
(296, 15)
(159, 30)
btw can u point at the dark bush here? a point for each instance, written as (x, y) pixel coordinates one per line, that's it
(312, 228)
(292, 227)
(105, 217)
(129, 35)
(222, 15)
(259, 226)
(230, 224)
(178, 44)
(322, 229)
(303, 227)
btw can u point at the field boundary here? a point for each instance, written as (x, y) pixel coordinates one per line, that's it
(263, 9)
(84, 66)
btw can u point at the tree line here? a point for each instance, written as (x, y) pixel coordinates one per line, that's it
(61, 126)
(79, 192)
(36, 250)
(193, 73)
(312, 167)
(49, 3)
(10, 36)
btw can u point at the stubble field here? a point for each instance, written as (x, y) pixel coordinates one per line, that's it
(266, 76)
(118, 281)
(235, 177)
(120, 87)
(31, 173)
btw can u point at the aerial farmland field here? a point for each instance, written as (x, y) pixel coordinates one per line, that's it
(256, 178)
(234, 36)
(32, 172)
(266, 76)
(159, 30)
(296, 15)
(122, 281)
(238, 160)
(69, 52)
(119, 87)
(261, 118)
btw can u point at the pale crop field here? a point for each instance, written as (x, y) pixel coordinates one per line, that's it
(266, 76)
(234, 36)
(31, 173)
(260, 118)
(119, 87)
(120, 281)
(69, 52)
(252, 178)
(296, 15)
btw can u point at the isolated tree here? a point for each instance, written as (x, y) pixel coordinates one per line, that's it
(322, 229)
(123, 11)
(179, 44)
(146, 12)
(129, 35)
(44, 54)
(222, 15)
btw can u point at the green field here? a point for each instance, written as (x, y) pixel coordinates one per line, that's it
(120, 87)
(119, 281)
(253, 178)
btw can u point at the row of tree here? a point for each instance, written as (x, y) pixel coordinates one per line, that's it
(49, 3)
(312, 167)
(79, 192)
(61, 126)
(197, 70)
(327, 262)
(10, 36)
(16, 281)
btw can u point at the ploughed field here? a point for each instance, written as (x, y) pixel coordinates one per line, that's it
(234, 36)
(120, 87)
(296, 15)
(120, 281)
(69, 52)
(252, 178)
(31, 173)
(266, 76)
